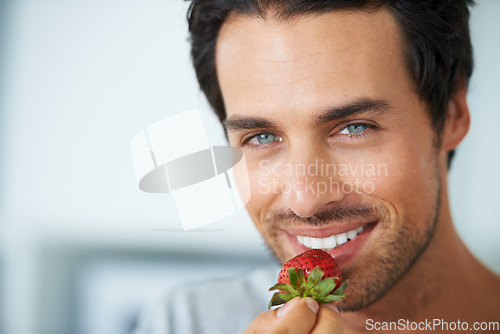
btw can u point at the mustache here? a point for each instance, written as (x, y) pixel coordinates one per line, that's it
(339, 214)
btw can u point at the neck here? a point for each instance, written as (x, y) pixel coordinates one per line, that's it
(446, 282)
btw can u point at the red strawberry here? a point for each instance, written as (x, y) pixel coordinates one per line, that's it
(313, 273)
(307, 261)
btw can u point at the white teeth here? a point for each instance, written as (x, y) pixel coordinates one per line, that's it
(341, 238)
(307, 242)
(329, 242)
(351, 234)
(316, 243)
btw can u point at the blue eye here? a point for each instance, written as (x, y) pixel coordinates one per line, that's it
(352, 129)
(265, 138)
(262, 139)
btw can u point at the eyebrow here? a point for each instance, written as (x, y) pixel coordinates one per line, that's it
(247, 123)
(360, 106)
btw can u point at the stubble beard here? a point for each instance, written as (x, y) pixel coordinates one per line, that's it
(398, 253)
(388, 266)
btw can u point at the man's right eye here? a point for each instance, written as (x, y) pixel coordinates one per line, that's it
(263, 138)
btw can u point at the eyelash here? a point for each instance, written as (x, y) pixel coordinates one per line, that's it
(351, 136)
(364, 133)
(246, 140)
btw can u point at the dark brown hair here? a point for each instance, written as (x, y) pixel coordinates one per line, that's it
(438, 48)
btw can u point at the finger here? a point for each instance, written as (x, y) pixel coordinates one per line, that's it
(329, 320)
(298, 316)
(262, 323)
(280, 320)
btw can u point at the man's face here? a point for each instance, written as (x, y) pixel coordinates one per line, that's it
(336, 141)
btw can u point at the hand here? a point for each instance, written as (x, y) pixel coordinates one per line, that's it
(299, 316)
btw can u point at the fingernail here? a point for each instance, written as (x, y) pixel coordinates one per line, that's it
(312, 304)
(280, 312)
(332, 307)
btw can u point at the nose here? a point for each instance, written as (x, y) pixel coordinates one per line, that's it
(311, 181)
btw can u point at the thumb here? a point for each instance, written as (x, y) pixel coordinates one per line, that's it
(297, 316)
(329, 320)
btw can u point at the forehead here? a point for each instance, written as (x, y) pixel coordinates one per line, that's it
(309, 61)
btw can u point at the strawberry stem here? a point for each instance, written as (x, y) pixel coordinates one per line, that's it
(321, 289)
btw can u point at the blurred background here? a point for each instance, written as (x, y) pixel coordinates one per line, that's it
(81, 247)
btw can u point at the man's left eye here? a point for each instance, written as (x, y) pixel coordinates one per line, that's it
(353, 129)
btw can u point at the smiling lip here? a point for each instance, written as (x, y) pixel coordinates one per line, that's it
(331, 242)
(321, 237)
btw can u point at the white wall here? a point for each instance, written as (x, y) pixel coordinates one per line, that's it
(475, 175)
(80, 78)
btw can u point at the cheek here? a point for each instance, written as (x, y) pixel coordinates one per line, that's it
(403, 175)
(242, 178)
(263, 186)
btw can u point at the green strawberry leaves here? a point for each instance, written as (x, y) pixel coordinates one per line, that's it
(293, 276)
(315, 286)
(325, 285)
(286, 288)
(340, 290)
(280, 298)
(314, 276)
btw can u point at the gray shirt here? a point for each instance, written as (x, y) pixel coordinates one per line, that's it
(217, 307)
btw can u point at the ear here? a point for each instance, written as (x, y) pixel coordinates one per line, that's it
(457, 121)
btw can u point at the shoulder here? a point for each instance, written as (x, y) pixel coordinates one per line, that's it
(219, 306)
